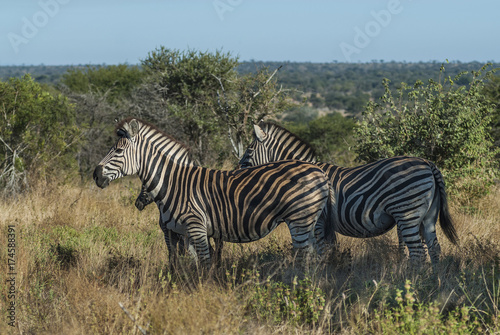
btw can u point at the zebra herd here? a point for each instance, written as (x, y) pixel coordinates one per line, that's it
(279, 181)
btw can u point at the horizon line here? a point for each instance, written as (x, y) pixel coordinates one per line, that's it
(375, 61)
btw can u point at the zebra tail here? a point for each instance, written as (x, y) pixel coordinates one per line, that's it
(330, 236)
(445, 220)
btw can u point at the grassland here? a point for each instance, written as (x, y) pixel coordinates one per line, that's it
(81, 252)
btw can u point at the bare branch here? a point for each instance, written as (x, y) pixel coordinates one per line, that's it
(132, 318)
(268, 80)
(1, 139)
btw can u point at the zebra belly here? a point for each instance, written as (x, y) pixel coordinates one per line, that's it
(381, 223)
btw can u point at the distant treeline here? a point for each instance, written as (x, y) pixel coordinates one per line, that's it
(347, 87)
(344, 87)
(45, 74)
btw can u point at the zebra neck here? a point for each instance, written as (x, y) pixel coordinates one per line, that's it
(158, 159)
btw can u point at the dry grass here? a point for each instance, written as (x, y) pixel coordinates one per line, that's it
(81, 251)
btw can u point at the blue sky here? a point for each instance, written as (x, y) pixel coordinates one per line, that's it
(60, 32)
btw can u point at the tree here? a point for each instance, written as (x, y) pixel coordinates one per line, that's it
(187, 83)
(200, 97)
(37, 132)
(439, 121)
(255, 96)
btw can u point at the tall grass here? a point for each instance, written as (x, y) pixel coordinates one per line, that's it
(82, 251)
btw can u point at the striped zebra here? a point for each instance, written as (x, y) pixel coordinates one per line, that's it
(370, 199)
(176, 243)
(234, 206)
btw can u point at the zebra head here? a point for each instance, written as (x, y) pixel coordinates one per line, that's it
(274, 143)
(121, 159)
(258, 152)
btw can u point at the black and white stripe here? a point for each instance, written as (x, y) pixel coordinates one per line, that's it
(176, 243)
(370, 199)
(234, 206)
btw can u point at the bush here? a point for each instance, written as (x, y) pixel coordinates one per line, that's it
(115, 81)
(492, 91)
(300, 114)
(443, 122)
(411, 317)
(330, 135)
(301, 303)
(37, 132)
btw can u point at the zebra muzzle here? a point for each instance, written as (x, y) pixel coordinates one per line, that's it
(99, 179)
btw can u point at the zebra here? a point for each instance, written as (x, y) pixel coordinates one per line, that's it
(176, 243)
(370, 199)
(236, 206)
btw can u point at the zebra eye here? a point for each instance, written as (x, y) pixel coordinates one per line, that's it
(118, 150)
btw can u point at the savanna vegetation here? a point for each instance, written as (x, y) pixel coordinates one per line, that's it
(87, 261)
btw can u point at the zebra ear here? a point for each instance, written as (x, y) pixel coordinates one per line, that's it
(134, 127)
(259, 133)
(131, 128)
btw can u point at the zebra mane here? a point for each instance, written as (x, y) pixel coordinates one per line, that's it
(120, 128)
(269, 126)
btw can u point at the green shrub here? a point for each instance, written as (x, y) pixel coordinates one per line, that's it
(492, 91)
(411, 317)
(115, 81)
(440, 121)
(37, 132)
(277, 302)
(331, 136)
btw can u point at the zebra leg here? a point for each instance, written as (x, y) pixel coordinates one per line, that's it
(181, 245)
(302, 240)
(320, 232)
(172, 240)
(401, 242)
(429, 231)
(197, 234)
(188, 248)
(217, 251)
(175, 245)
(410, 233)
(308, 234)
